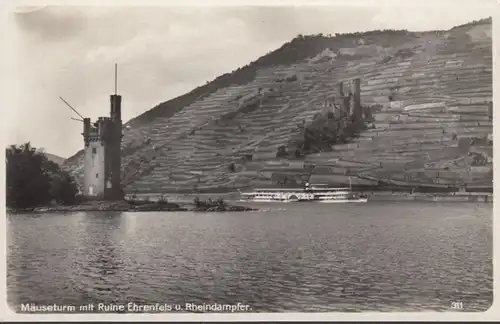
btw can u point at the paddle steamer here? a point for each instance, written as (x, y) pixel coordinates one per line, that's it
(315, 193)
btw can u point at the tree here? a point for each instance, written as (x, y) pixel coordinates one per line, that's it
(33, 180)
(62, 188)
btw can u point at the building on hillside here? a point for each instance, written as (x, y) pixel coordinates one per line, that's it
(350, 100)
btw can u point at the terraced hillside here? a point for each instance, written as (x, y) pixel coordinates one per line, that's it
(429, 96)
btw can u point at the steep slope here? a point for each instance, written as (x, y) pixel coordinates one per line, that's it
(54, 158)
(429, 95)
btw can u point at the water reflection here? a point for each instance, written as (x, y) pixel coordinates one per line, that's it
(357, 258)
(99, 258)
(100, 242)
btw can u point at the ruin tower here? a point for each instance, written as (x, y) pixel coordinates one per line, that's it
(355, 102)
(102, 150)
(342, 98)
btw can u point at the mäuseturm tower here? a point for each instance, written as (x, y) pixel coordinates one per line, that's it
(102, 162)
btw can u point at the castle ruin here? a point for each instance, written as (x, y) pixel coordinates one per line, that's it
(350, 100)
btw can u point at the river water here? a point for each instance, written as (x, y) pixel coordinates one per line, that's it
(285, 257)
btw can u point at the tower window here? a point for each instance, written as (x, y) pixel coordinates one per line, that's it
(94, 150)
(97, 175)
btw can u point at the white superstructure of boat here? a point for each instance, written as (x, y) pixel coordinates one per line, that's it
(315, 193)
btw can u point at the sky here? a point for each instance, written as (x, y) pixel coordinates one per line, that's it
(162, 52)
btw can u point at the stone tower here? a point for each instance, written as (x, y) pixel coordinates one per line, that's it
(350, 101)
(102, 179)
(355, 103)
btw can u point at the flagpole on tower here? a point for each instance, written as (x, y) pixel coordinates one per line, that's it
(116, 77)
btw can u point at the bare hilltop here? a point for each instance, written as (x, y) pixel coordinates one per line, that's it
(426, 121)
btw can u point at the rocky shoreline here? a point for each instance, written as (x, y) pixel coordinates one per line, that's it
(135, 206)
